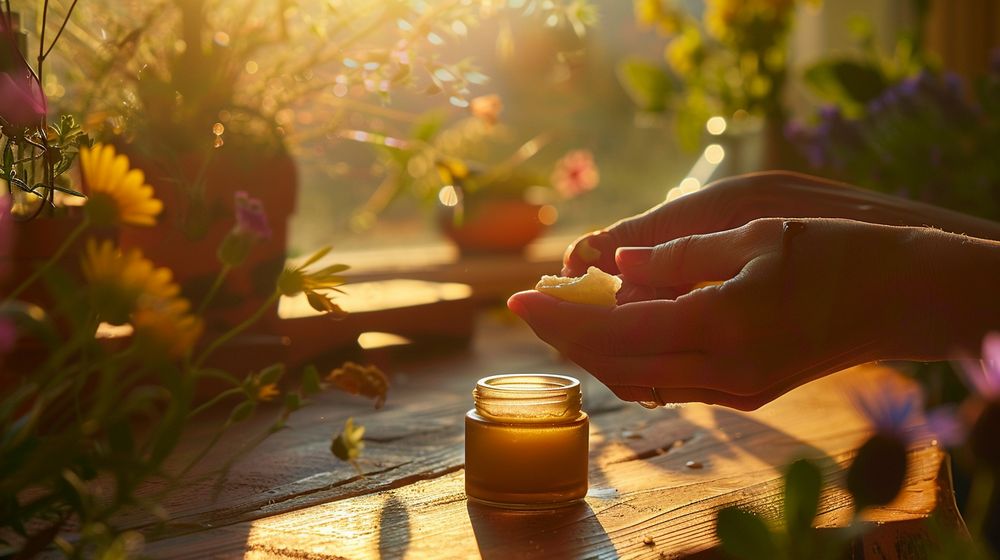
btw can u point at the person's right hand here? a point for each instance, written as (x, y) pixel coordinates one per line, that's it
(732, 202)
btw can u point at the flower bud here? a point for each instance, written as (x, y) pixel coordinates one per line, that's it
(876, 476)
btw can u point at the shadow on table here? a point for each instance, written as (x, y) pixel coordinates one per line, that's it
(394, 529)
(564, 533)
(666, 431)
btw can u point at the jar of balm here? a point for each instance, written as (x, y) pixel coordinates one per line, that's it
(526, 442)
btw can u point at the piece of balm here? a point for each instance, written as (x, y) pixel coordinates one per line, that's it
(596, 287)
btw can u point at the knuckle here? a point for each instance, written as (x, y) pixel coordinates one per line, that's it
(672, 253)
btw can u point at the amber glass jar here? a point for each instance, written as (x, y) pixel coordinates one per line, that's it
(526, 442)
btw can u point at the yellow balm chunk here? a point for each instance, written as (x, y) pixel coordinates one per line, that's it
(596, 287)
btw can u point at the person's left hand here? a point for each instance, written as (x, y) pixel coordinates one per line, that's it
(836, 294)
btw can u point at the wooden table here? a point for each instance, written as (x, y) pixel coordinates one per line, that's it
(291, 499)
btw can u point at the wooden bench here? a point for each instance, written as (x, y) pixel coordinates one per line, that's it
(290, 498)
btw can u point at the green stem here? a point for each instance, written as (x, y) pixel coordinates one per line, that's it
(247, 323)
(204, 451)
(980, 494)
(219, 279)
(215, 400)
(67, 243)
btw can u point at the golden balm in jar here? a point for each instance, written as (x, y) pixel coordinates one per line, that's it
(526, 442)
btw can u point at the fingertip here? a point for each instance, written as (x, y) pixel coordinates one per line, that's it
(516, 303)
(594, 249)
(633, 262)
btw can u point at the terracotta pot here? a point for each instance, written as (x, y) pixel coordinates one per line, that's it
(495, 226)
(189, 232)
(35, 241)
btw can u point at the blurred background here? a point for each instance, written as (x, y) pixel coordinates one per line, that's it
(348, 88)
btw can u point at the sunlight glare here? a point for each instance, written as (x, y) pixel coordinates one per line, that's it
(448, 196)
(714, 154)
(716, 125)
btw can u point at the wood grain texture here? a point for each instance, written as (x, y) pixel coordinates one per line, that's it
(290, 499)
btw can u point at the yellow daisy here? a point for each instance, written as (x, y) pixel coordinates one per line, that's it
(126, 287)
(118, 280)
(316, 284)
(117, 194)
(168, 325)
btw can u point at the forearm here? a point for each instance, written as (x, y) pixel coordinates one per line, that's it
(959, 300)
(793, 194)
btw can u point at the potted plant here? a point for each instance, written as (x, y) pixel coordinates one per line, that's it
(725, 59)
(487, 192)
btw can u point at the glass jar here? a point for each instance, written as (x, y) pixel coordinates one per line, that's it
(526, 442)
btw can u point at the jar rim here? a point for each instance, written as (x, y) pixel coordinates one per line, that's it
(528, 397)
(534, 382)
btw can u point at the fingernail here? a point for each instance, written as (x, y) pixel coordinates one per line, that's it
(633, 257)
(518, 307)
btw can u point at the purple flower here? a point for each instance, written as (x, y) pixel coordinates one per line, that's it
(910, 87)
(945, 424)
(983, 376)
(22, 103)
(876, 475)
(889, 409)
(250, 217)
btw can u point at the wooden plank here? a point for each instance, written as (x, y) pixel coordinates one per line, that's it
(641, 491)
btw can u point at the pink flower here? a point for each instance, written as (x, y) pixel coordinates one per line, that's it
(575, 173)
(487, 108)
(250, 217)
(22, 103)
(983, 376)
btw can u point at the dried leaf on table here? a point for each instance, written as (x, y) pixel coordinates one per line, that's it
(356, 379)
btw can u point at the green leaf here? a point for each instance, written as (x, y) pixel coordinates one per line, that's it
(846, 81)
(347, 445)
(647, 84)
(744, 535)
(242, 411)
(293, 402)
(427, 126)
(310, 381)
(271, 374)
(802, 487)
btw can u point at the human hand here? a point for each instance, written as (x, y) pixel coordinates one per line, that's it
(735, 201)
(793, 307)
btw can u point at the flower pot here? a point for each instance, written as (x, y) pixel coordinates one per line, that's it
(34, 242)
(191, 228)
(493, 226)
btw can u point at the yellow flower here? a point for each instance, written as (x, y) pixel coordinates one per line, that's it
(685, 52)
(126, 287)
(117, 194)
(117, 280)
(268, 392)
(167, 325)
(296, 280)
